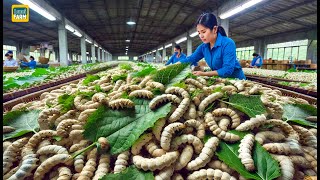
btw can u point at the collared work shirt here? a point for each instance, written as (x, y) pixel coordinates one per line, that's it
(222, 57)
(257, 61)
(173, 59)
(31, 64)
(10, 63)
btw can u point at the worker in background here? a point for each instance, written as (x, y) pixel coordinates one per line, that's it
(217, 49)
(10, 62)
(32, 64)
(177, 56)
(256, 61)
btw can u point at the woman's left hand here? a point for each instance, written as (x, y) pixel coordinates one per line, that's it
(197, 73)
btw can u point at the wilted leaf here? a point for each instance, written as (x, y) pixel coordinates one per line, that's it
(298, 112)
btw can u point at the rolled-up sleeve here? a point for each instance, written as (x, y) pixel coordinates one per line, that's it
(194, 57)
(229, 60)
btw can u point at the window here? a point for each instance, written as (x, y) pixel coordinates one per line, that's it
(135, 58)
(123, 57)
(297, 50)
(245, 53)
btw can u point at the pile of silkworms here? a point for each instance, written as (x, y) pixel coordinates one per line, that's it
(174, 148)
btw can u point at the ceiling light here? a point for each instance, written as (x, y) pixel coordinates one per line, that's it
(194, 34)
(160, 48)
(95, 45)
(127, 40)
(168, 45)
(127, 46)
(131, 23)
(88, 41)
(239, 9)
(181, 40)
(77, 33)
(87, 52)
(38, 9)
(154, 51)
(70, 28)
(100, 48)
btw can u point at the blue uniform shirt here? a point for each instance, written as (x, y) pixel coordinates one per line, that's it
(31, 64)
(257, 61)
(222, 57)
(173, 59)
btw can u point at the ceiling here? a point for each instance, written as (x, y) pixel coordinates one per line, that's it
(157, 22)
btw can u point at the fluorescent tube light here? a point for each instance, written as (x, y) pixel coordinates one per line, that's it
(38, 9)
(87, 52)
(70, 28)
(194, 34)
(100, 48)
(88, 41)
(127, 40)
(131, 23)
(154, 51)
(168, 45)
(95, 45)
(127, 46)
(181, 40)
(160, 48)
(77, 33)
(239, 8)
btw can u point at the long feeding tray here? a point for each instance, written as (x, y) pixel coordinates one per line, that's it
(17, 94)
(274, 83)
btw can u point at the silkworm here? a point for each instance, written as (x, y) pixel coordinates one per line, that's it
(121, 162)
(187, 138)
(118, 84)
(155, 163)
(217, 164)
(43, 117)
(245, 152)
(177, 90)
(141, 94)
(155, 85)
(90, 166)
(157, 128)
(52, 149)
(208, 100)
(182, 108)
(229, 112)
(103, 167)
(28, 164)
(184, 158)
(8, 129)
(144, 81)
(286, 166)
(65, 126)
(197, 125)
(210, 174)
(216, 130)
(290, 147)
(121, 103)
(68, 115)
(262, 136)
(163, 98)
(194, 82)
(165, 174)
(167, 134)
(306, 137)
(206, 154)
(140, 142)
(50, 163)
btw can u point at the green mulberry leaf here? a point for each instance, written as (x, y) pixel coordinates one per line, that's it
(23, 121)
(123, 127)
(250, 105)
(298, 112)
(130, 173)
(267, 168)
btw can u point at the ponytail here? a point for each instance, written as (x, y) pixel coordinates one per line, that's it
(209, 20)
(222, 31)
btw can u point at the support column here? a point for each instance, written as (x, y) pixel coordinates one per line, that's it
(164, 51)
(260, 48)
(157, 56)
(83, 50)
(102, 56)
(93, 53)
(189, 45)
(99, 57)
(312, 51)
(173, 45)
(63, 44)
(225, 24)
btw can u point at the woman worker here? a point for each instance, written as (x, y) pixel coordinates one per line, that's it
(177, 56)
(32, 64)
(217, 49)
(256, 61)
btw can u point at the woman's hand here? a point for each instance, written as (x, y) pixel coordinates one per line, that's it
(197, 73)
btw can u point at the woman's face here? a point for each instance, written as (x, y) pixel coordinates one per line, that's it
(205, 34)
(177, 50)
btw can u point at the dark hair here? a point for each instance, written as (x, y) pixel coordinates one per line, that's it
(32, 57)
(255, 54)
(209, 20)
(177, 47)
